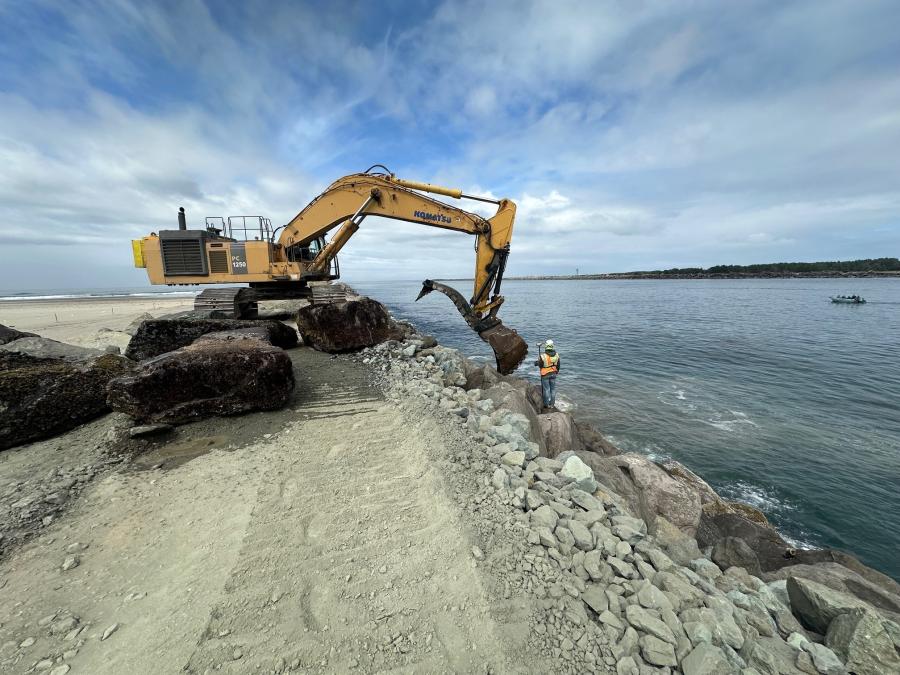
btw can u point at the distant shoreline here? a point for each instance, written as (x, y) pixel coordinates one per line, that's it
(628, 276)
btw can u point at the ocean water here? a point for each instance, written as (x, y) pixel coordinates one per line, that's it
(773, 394)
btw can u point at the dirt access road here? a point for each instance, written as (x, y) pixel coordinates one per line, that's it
(317, 538)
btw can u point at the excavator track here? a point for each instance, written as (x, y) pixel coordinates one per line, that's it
(232, 303)
(326, 294)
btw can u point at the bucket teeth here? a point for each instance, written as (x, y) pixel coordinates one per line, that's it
(509, 347)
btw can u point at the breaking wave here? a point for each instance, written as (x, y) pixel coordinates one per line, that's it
(730, 425)
(781, 511)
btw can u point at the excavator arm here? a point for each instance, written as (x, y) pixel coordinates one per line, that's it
(349, 200)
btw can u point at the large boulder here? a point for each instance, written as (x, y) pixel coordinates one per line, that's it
(512, 398)
(8, 334)
(817, 605)
(738, 533)
(772, 656)
(219, 375)
(452, 365)
(346, 326)
(158, 336)
(718, 522)
(683, 475)
(735, 552)
(680, 547)
(535, 397)
(860, 640)
(650, 491)
(838, 560)
(874, 588)
(42, 396)
(581, 475)
(133, 327)
(663, 496)
(608, 473)
(531, 392)
(706, 659)
(559, 433)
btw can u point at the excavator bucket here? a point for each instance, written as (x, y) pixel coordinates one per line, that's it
(509, 347)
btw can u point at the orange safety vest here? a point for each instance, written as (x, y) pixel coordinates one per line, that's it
(549, 364)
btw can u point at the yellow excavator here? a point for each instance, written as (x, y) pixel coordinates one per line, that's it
(280, 263)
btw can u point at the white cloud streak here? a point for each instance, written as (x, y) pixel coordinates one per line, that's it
(631, 136)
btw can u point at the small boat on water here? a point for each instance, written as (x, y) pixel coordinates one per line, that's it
(848, 299)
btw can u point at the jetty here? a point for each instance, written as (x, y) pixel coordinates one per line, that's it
(303, 493)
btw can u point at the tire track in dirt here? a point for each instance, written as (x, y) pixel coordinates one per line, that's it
(320, 538)
(353, 556)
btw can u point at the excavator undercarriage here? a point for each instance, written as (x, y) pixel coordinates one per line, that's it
(298, 263)
(238, 303)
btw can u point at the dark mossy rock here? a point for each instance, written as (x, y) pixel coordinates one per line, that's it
(346, 326)
(159, 336)
(481, 375)
(771, 549)
(8, 334)
(44, 397)
(213, 376)
(45, 348)
(735, 552)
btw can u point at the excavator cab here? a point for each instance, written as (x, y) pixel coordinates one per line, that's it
(309, 251)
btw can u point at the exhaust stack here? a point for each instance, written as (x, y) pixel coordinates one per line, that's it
(182, 219)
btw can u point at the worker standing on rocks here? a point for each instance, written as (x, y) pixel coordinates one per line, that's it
(548, 362)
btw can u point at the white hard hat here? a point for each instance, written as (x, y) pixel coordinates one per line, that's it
(549, 343)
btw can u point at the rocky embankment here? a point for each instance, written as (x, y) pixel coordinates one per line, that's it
(643, 566)
(634, 567)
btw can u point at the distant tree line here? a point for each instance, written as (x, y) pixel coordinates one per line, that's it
(867, 265)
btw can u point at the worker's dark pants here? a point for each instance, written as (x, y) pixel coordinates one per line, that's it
(548, 390)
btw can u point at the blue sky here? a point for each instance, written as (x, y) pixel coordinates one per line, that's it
(632, 135)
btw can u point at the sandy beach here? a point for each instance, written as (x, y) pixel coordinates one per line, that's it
(87, 322)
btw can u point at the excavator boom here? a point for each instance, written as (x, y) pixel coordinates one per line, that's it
(349, 200)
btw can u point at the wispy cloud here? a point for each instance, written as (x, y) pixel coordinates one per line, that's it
(631, 136)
